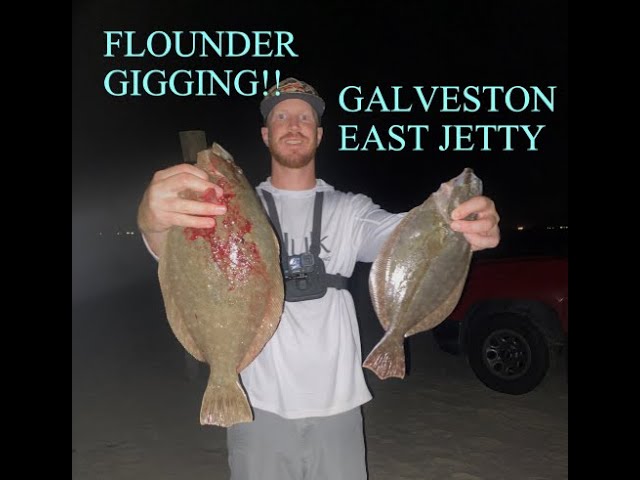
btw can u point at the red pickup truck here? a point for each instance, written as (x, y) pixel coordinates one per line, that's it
(512, 316)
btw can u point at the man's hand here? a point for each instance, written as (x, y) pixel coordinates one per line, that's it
(163, 204)
(483, 232)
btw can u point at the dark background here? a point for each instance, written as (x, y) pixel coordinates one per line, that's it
(118, 142)
(135, 399)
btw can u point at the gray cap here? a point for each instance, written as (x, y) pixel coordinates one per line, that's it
(291, 88)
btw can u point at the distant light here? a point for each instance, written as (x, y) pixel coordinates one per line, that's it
(552, 228)
(520, 227)
(100, 233)
(118, 233)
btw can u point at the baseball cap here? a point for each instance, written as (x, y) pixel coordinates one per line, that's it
(291, 88)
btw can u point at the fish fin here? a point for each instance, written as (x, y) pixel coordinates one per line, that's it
(225, 405)
(442, 311)
(177, 323)
(376, 291)
(218, 150)
(387, 358)
(272, 313)
(266, 327)
(379, 269)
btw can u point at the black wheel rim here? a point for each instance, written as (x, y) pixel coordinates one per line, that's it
(506, 354)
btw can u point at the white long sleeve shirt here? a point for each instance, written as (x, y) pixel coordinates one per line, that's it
(312, 366)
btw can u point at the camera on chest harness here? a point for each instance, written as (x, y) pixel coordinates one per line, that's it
(304, 274)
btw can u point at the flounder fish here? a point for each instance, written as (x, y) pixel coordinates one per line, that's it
(417, 277)
(222, 287)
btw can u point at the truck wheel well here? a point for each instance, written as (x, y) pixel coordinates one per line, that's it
(540, 314)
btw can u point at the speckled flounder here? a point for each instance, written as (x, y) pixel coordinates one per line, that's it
(417, 278)
(222, 288)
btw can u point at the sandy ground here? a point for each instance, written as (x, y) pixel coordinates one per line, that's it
(136, 409)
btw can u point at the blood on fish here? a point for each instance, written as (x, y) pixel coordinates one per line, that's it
(236, 256)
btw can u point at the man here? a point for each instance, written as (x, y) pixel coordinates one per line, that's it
(307, 385)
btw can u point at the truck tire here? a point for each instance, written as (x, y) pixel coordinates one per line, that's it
(507, 353)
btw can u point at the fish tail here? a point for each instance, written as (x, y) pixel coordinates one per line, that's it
(387, 358)
(224, 405)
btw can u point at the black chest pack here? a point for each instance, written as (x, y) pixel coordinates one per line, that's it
(304, 274)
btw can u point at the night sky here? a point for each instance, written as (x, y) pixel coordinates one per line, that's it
(118, 142)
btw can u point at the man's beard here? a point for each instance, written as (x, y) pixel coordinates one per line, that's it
(293, 159)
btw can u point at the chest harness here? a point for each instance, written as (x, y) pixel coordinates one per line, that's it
(304, 274)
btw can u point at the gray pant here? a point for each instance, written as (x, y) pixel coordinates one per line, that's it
(317, 448)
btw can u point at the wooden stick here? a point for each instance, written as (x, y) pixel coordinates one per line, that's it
(192, 142)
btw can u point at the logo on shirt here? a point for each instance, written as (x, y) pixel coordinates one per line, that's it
(291, 246)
